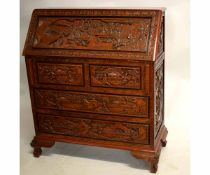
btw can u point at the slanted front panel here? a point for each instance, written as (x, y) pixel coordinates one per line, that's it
(95, 103)
(93, 33)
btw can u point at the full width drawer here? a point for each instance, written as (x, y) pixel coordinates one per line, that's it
(94, 103)
(96, 129)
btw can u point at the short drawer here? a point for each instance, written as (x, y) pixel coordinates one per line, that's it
(115, 76)
(96, 129)
(90, 75)
(56, 73)
(94, 103)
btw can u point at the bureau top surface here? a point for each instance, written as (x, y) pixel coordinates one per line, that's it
(95, 33)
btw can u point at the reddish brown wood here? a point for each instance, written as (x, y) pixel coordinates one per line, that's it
(88, 51)
(96, 77)
(141, 88)
(153, 157)
(93, 33)
(96, 129)
(38, 143)
(70, 74)
(95, 103)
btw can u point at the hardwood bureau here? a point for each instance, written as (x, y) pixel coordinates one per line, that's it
(96, 77)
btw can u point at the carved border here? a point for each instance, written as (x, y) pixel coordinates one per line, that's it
(96, 12)
(155, 14)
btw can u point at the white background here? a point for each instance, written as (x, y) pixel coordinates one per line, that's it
(179, 40)
(177, 100)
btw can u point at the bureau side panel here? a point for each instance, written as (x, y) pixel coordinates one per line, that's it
(31, 82)
(159, 95)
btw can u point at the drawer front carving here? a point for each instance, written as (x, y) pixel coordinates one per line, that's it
(114, 76)
(69, 74)
(95, 103)
(97, 129)
(122, 34)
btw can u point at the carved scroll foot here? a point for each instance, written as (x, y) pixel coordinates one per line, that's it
(163, 143)
(153, 168)
(37, 152)
(151, 158)
(37, 144)
(163, 140)
(154, 164)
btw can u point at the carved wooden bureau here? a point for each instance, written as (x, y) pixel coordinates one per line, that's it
(96, 77)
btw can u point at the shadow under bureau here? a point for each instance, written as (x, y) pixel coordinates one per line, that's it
(96, 77)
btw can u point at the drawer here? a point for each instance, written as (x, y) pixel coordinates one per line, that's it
(90, 75)
(96, 129)
(93, 33)
(92, 102)
(56, 73)
(115, 76)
